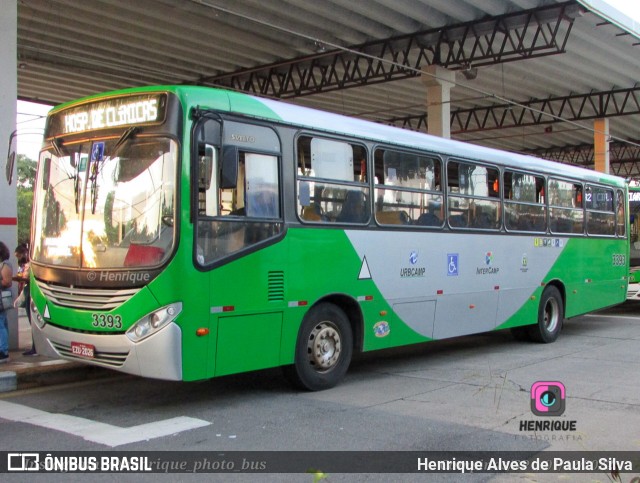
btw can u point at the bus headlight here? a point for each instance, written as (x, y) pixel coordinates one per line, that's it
(35, 315)
(153, 322)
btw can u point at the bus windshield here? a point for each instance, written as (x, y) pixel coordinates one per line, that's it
(106, 203)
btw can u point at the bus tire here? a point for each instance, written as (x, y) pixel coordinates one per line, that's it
(550, 316)
(323, 349)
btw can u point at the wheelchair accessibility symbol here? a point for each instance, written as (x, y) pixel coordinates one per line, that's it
(452, 264)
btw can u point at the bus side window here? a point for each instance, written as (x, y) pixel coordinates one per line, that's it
(261, 186)
(238, 190)
(332, 181)
(525, 209)
(601, 214)
(408, 190)
(474, 199)
(566, 213)
(620, 215)
(207, 180)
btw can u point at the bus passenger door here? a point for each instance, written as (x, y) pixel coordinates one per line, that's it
(240, 244)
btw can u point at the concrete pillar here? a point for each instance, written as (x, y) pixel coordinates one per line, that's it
(8, 97)
(438, 82)
(601, 145)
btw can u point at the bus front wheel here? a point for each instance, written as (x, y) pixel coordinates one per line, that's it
(323, 349)
(550, 316)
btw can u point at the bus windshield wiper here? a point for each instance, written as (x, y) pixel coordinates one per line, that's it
(57, 147)
(128, 134)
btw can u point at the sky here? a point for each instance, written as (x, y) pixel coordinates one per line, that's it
(31, 116)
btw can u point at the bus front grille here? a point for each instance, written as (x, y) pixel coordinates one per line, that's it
(86, 298)
(112, 359)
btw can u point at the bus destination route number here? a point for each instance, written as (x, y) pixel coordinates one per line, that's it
(107, 321)
(619, 260)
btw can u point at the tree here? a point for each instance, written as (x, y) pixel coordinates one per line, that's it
(26, 180)
(26, 171)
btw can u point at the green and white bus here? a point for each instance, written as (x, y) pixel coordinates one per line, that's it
(183, 233)
(634, 243)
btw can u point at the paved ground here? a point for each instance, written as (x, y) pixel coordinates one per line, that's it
(467, 393)
(22, 371)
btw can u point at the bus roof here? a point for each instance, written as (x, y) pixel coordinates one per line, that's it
(290, 114)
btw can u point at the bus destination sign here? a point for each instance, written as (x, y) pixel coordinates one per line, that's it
(109, 113)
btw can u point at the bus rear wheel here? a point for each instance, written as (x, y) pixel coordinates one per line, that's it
(323, 349)
(550, 316)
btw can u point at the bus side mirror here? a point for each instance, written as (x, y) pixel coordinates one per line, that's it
(229, 167)
(11, 156)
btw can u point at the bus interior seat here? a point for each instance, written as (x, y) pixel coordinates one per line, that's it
(483, 220)
(312, 212)
(143, 255)
(393, 218)
(428, 219)
(458, 221)
(354, 208)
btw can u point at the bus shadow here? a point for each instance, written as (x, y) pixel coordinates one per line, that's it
(272, 381)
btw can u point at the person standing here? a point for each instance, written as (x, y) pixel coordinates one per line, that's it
(6, 280)
(24, 299)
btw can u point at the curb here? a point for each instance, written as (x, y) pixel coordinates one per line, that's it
(49, 373)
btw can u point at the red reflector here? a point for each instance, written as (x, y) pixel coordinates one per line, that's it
(368, 297)
(497, 287)
(228, 308)
(202, 331)
(302, 303)
(440, 292)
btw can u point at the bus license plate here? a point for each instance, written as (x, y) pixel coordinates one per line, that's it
(82, 350)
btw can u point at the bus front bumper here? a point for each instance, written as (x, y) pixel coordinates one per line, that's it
(158, 356)
(633, 291)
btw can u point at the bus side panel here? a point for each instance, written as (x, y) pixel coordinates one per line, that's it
(327, 266)
(246, 311)
(193, 291)
(248, 342)
(593, 272)
(477, 282)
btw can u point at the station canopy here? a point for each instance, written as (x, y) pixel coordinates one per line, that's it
(531, 75)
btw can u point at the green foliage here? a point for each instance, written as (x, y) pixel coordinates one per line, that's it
(26, 179)
(26, 170)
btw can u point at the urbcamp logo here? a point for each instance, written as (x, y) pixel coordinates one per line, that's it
(412, 270)
(488, 268)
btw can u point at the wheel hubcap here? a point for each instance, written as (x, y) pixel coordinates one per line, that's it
(551, 315)
(324, 346)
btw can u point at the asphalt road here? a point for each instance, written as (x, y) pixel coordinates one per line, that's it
(464, 394)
